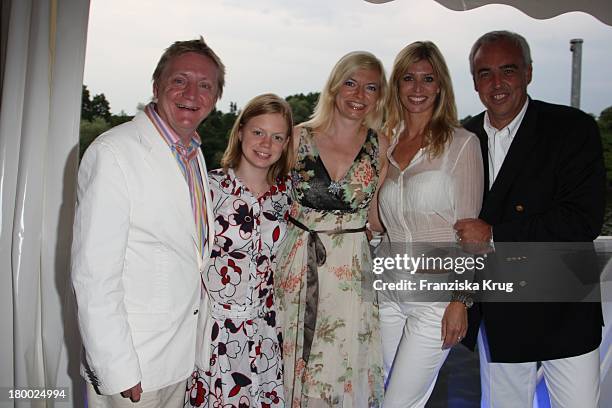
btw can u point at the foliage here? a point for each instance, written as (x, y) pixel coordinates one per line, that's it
(606, 140)
(605, 120)
(96, 118)
(97, 106)
(100, 107)
(214, 132)
(85, 104)
(605, 126)
(116, 120)
(90, 130)
(302, 106)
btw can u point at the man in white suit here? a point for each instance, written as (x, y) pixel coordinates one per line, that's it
(140, 238)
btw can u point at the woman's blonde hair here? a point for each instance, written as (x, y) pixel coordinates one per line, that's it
(344, 68)
(261, 105)
(444, 118)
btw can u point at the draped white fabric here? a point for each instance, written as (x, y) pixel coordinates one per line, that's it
(540, 9)
(39, 127)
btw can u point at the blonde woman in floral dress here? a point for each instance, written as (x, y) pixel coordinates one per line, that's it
(331, 345)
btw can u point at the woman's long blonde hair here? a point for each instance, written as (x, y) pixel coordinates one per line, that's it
(444, 118)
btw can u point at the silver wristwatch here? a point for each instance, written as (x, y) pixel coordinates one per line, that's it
(463, 297)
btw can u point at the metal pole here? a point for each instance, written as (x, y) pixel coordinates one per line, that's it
(576, 49)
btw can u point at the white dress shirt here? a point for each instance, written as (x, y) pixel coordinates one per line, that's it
(500, 141)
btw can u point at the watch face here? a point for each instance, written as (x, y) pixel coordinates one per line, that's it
(469, 302)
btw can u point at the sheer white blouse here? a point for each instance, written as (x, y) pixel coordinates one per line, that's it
(422, 202)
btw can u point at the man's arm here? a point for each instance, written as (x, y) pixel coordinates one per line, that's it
(576, 211)
(98, 254)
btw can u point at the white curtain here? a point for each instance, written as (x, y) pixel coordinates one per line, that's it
(39, 127)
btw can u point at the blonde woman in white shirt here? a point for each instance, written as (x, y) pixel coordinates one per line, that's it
(435, 178)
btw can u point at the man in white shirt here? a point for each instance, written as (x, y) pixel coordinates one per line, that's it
(140, 239)
(546, 178)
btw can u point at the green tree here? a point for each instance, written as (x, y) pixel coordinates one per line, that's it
(100, 107)
(605, 126)
(116, 120)
(302, 106)
(96, 118)
(86, 112)
(214, 132)
(89, 131)
(605, 120)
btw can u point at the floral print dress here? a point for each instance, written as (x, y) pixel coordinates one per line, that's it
(246, 364)
(343, 367)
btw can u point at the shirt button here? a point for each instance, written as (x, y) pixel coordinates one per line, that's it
(195, 312)
(519, 208)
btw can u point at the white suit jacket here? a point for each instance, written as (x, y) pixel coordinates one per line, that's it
(135, 261)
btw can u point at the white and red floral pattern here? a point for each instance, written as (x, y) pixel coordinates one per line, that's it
(246, 365)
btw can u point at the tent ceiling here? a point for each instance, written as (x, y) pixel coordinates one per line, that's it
(541, 9)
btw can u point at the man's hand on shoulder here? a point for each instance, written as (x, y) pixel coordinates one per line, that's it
(133, 393)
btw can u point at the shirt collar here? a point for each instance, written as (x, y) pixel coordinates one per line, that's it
(511, 128)
(166, 131)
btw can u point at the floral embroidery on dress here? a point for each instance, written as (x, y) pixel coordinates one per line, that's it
(344, 368)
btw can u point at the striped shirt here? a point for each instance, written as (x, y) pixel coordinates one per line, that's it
(187, 160)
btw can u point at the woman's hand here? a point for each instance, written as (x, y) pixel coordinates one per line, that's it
(454, 324)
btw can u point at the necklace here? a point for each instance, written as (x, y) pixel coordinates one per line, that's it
(259, 193)
(336, 186)
(256, 193)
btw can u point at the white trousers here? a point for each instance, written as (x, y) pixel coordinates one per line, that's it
(571, 382)
(172, 396)
(412, 351)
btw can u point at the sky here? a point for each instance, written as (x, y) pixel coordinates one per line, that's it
(289, 46)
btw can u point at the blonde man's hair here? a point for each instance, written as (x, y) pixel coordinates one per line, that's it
(261, 105)
(444, 118)
(344, 68)
(197, 46)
